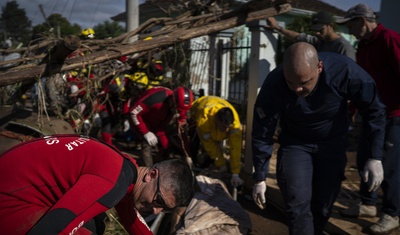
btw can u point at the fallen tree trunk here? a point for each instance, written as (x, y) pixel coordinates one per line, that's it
(229, 20)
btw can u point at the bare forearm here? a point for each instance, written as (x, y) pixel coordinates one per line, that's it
(292, 35)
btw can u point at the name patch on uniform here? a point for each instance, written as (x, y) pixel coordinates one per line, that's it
(76, 143)
(134, 114)
(260, 112)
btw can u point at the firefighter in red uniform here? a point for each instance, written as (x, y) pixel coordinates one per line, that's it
(61, 185)
(120, 92)
(78, 79)
(151, 115)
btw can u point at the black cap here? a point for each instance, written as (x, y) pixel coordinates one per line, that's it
(320, 19)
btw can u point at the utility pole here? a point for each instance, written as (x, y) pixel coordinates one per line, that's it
(58, 30)
(132, 16)
(44, 15)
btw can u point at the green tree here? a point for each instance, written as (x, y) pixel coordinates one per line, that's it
(108, 29)
(55, 23)
(16, 23)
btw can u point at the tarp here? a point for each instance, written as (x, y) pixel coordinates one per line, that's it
(213, 211)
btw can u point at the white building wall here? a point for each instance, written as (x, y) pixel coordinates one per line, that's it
(262, 62)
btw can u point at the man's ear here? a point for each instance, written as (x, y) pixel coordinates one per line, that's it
(151, 174)
(320, 66)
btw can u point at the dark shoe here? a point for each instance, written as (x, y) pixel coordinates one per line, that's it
(359, 210)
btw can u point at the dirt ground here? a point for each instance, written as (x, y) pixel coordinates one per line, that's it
(269, 221)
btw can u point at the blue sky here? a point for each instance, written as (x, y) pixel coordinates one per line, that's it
(88, 13)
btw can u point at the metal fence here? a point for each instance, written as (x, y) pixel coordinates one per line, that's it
(222, 70)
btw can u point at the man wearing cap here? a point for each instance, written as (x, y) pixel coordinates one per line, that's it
(325, 39)
(379, 54)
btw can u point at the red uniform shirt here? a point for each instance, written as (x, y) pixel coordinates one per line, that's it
(152, 112)
(55, 185)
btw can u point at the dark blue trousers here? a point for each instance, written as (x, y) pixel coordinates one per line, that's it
(309, 177)
(391, 168)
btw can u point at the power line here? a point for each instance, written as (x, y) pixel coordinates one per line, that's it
(72, 9)
(95, 12)
(44, 15)
(65, 5)
(52, 8)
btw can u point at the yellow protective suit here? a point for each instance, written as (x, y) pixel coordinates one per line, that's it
(204, 111)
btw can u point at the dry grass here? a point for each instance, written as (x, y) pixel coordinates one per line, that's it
(113, 226)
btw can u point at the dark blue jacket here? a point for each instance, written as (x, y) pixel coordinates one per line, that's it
(322, 116)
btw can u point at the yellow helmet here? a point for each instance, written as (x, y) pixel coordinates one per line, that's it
(139, 78)
(117, 86)
(87, 33)
(156, 81)
(142, 64)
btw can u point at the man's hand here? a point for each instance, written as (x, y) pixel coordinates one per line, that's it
(151, 138)
(374, 169)
(259, 190)
(236, 181)
(271, 24)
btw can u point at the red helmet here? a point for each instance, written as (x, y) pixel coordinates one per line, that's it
(183, 98)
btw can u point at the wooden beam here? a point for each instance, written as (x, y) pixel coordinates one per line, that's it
(117, 50)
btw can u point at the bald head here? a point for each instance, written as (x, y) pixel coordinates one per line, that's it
(301, 67)
(300, 58)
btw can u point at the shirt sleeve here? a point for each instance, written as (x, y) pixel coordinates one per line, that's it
(303, 37)
(131, 219)
(235, 144)
(137, 118)
(265, 119)
(364, 95)
(211, 146)
(393, 50)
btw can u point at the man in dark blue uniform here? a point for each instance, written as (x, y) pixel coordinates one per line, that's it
(309, 94)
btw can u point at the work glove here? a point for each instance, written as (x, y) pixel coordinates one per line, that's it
(373, 168)
(236, 181)
(151, 138)
(259, 190)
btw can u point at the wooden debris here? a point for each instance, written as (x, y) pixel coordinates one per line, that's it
(173, 31)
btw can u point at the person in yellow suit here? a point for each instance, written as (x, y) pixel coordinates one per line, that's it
(216, 120)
